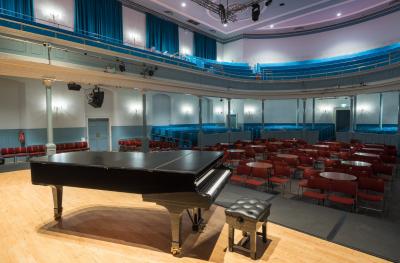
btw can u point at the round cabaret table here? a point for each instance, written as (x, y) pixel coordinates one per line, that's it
(276, 143)
(356, 163)
(377, 150)
(372, 145)
(287, 156)
(338, 176)
(235, 151)
(259, 165)
(324, 146)
(226, 144)
(258, 146)
(309, 150)
(371, 155)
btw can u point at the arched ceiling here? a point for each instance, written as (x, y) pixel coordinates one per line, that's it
(282, 17)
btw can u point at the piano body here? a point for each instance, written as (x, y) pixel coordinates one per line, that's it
(178, 180)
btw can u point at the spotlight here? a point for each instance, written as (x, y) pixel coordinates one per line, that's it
(74, 86)
(122, 67)
(255, 12)
(96, 97)
(269, 2)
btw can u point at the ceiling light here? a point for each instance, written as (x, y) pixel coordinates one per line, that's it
(339, 14)
(183, 4)
(225, 25)
(271, 26)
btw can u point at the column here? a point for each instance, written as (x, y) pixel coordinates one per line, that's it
(313, 113)
(380, 110)
(50, 146)
(229, 120)
(398, 116)
(298, 113)
(304, 113)
(351, 113)
(262, 118)
(355, 113)
(200, 136)
(145, 138)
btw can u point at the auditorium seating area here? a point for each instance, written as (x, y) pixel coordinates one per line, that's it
(131, 145)
(40, 150)
(296, 168)
(368, 60)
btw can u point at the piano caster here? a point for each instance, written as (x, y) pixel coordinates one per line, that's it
(176, 251)
(57, 214)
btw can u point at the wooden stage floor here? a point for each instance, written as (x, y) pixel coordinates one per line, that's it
(100, 226)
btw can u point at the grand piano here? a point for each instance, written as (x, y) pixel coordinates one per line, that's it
(178, 180)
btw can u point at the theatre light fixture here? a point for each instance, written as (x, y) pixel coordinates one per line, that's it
(229, 12)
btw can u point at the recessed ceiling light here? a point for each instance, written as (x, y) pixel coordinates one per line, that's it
(183, 4)
(339, 14)
(225, 24)
(271, 26)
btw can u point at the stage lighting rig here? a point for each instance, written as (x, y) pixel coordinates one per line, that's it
(228, 12)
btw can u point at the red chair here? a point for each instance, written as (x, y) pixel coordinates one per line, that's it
(21, 152)
(344, 187)
(41, 150)
(242, 172)
(371, 191)
(389, 159)
(33, 150)
(258, 177)
(322, 186)
(383, 171)
(306, 161)
(8, 153)
(281, 176)
(308, 173)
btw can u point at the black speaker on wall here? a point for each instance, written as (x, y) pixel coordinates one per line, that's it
(74, 86)
(96, 98)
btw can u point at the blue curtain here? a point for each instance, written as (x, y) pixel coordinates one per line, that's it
(161, 34)
(99, 18)
(18, 8)
(204, 47)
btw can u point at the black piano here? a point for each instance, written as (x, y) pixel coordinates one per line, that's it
(178, 180)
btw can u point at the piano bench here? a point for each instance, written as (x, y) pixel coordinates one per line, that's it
(247, 215)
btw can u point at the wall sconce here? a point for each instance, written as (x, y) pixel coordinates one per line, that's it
(134, 37)
(249, 111)
(58, 106)
(135, 109)
(53, 15)
(218, 110)
(186, 109)
(326, 108)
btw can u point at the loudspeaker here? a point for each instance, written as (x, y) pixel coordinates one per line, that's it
(96, 98)
(255, 13)
(74, 86)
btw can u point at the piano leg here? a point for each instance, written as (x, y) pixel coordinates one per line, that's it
(57, 200)
(197, 221)
(176, 219)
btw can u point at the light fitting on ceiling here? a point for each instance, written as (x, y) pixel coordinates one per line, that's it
(228, 12)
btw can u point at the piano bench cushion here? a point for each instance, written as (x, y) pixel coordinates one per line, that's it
(249, 208)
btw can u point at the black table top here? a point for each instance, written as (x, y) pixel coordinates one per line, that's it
(186, 161)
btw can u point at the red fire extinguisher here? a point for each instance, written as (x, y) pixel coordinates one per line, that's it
(21, 138)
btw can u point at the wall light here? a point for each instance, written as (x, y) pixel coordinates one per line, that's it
(187, 109)
(135, 108)
(53, 15)
(185, 51)
(134, 37)
(250, 110)
(344, 105)
(59, 105)
(326, 108)
(218, 110)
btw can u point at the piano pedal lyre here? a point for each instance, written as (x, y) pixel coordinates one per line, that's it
(197, 220)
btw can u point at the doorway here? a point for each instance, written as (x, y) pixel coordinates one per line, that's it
(99, 135)
(342, 120)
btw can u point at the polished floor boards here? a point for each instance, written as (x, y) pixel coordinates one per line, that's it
(100, 226)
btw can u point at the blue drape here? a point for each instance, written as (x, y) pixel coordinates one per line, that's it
(204, 47)
(18, 8)
(99, 18)
(161, 34)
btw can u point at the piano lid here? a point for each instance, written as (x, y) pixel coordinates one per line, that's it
(186, 161)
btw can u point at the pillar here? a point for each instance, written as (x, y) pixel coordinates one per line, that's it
(355, 113)
(298, 113)
(313, 113)
(380, 110)
(145, 138)
(50, 146)
(351, 113)
(200, 136)
(398, 116)
(262, 118)
(304, 113)
(229, 120)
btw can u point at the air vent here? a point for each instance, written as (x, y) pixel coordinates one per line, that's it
(193, 22)
(213, 31)
(169, 12)
(299, 28)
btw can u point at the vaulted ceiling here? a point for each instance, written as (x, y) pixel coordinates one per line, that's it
(280, 18)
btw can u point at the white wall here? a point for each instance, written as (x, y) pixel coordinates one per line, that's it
(233, 51)
(220, 51)
(390, 107)
(10, 103)
(185, 41)
(281, 111)
(360, 37)
(127, 106)
(134, 27)
(185, 109)
(252, 111)
(58, 13)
